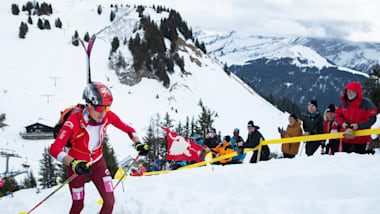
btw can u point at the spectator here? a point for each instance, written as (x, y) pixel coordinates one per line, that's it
(312, 124)
(357, 113)
(253, 140)
(212, 140)
(198, 140)
(237, 143)
(294, 129)
(223, 149)
(331, 126)
(178, 164)
(160, 164)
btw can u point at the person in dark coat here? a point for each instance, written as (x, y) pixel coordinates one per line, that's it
(312, 125)
(212, 140)
(253, 140)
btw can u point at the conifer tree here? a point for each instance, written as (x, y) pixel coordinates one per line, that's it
(58, 23)
(15, 9)
(30, 21)
(205, 119)
(9, 185)
(86, 37)
(75, 38)
(30, 181)
(61, 172)
(23, 30)
(47, 170)
(115, 44)
(112, 16)
(46, 24)
(40, 24)
(109, 156)
(371, 86)
(99, 9)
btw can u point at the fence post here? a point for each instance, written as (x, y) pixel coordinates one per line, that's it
(259, 151)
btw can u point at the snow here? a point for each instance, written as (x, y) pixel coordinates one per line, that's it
(337, 183)
(237, 49)
(353, 71)
(344, 183)
(28, 66)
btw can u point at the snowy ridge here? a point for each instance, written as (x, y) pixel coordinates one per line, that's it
(237, 49)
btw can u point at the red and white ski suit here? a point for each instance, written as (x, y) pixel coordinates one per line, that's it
(86, 139)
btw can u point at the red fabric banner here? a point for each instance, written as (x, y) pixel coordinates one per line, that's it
(182, 149)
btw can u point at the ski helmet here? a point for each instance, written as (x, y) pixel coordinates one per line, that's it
(97, 94)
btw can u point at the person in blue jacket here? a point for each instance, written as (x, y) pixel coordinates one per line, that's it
(234, 140)
(198, 140)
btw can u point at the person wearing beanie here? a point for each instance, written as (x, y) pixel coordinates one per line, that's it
(253, 140)
(312, 124)
(223, 149)
(356, 113)
(294, 129)
(212, 140)
(331, 126)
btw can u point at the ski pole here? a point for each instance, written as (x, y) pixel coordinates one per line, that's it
(66, 182)
(100, 202)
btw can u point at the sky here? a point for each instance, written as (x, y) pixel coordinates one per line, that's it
(355, 20)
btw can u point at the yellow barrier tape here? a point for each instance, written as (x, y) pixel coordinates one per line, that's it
(358, 133)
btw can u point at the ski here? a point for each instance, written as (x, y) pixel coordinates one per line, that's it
(88, 52)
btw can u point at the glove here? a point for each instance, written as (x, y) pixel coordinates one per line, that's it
(281, 131)
(80, 167)
(142, 149)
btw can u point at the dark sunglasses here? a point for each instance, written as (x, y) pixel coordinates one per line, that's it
(101, 108)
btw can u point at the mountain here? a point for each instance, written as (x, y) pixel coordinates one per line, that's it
(300, 68)
(44, 73)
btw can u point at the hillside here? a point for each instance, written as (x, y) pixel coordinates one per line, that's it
(30, 65)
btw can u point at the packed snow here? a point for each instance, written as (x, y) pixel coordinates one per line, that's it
(344, 183)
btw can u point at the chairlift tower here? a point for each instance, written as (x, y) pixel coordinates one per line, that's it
(7, 153)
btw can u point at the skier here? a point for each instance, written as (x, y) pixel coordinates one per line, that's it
(357, 113)
(85, 128)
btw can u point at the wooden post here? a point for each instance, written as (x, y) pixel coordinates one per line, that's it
(259, 151)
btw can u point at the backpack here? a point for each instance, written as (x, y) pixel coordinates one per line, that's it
(65, 114)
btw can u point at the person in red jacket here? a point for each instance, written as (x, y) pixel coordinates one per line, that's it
(331, 126)
(85, 128)
(357, 112)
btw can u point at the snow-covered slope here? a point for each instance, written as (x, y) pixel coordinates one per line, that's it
(344, 183)
(29, 66)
